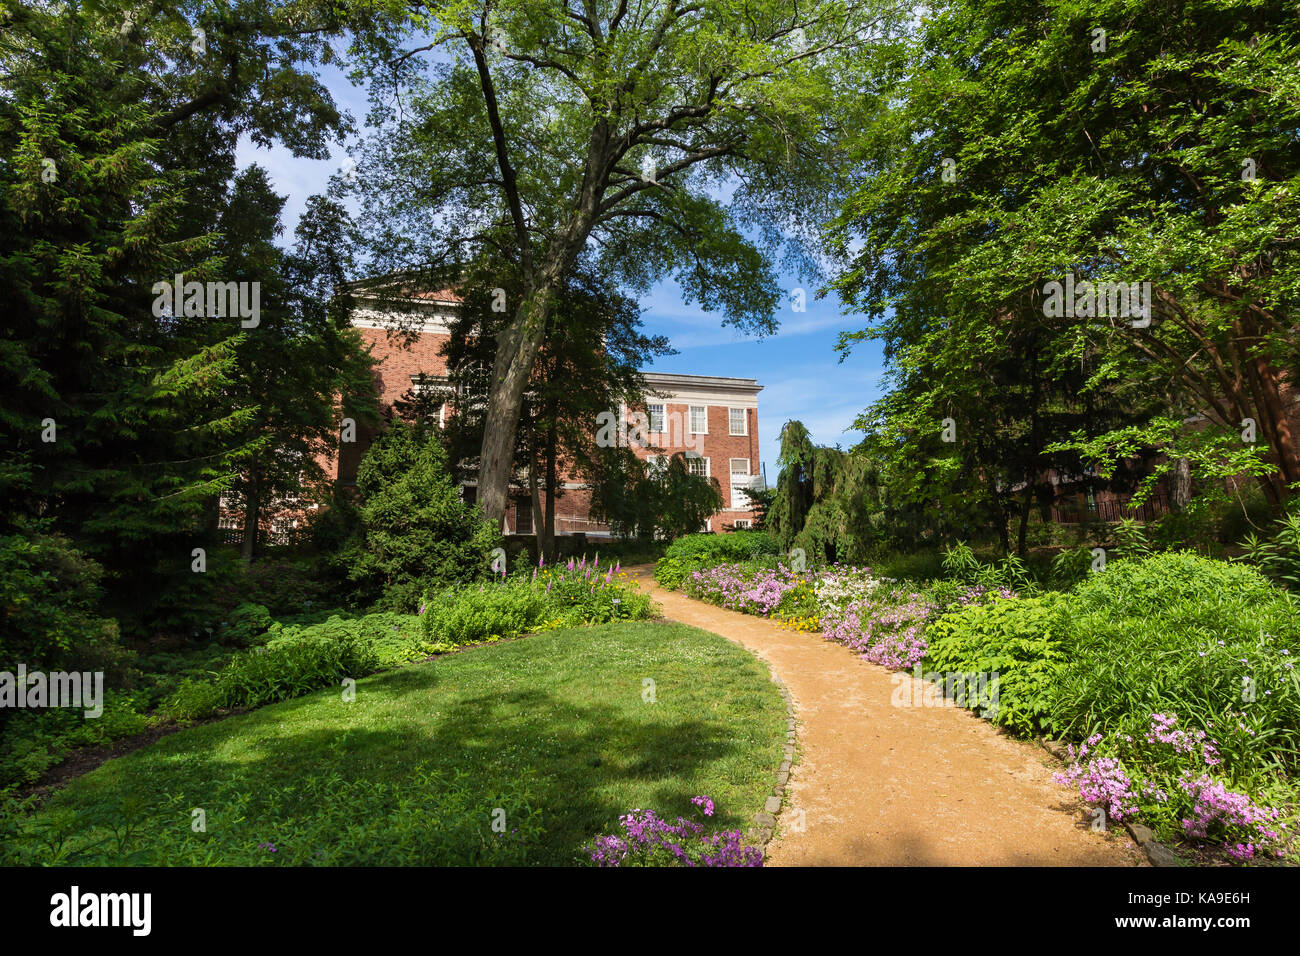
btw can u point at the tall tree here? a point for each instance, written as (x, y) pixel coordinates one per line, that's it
(544, 130)
(589, 363)
(117, 130)
(304, 367)
(1131, 141)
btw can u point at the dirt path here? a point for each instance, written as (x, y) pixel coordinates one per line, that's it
(888, 785)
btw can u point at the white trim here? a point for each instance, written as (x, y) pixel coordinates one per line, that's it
(708, 470)
(744, 421)
(690, 419)
(436, 323)
(663, 417)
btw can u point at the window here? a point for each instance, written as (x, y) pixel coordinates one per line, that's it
(739, 483)
(738, 418)
(656, 464)
(743, 523)
(523, 516)
(698, 466)
(656, 415)
(699, 420)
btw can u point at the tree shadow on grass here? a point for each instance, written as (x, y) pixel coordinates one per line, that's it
(583, 763)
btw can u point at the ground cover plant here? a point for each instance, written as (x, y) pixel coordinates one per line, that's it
(695, 552)
(561, 732)
(649, 840)
(1173, 674)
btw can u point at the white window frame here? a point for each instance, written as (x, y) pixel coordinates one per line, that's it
(731, 421)
(663, 417)
(731, 474)
(707, 470)
(743, 524)
(690, 415)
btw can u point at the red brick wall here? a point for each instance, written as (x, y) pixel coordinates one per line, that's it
(398, 362)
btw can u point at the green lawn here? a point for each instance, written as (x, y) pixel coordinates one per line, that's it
(550, 733)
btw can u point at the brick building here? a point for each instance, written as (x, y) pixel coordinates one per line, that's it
(712, 420)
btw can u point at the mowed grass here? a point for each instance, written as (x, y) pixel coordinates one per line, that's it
(551, 737)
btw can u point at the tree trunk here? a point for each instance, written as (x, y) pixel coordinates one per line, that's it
(1180, 486)
(252, 514)
(517, 348)
(1279, 432)
(1026, 504)
(999, 518)
(551, 469)
(535, 502)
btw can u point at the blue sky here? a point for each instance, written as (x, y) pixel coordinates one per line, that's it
(799, 370)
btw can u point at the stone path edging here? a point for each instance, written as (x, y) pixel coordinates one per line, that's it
(765, 820)
(886, 779)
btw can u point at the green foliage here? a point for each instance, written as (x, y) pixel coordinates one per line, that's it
(49, 593)
(486, 613)
(698, 551)
(1020, 641)
(645, 500)
(1279, 556)
(1184, 634)
(289, 584)
(428, 818)
(416, 530)
(558, 596)
(960, 562)
(288, 666)
(245, 624)
(1141, 160)
(1174, 633)
(1071, 566)
(36, 740)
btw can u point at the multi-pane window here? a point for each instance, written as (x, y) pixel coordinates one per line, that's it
(698, 466)
(739, 482)
(656, 464)
(656, 416)
(737, 419)
(699, 420)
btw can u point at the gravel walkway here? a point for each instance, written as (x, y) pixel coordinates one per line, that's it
(876, 784)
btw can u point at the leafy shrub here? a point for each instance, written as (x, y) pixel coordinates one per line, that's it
(911, 566)
(1185, 634)
(488, 612)
(49, 592)
(36, 740)
(416, 531)
(288, 666)
(1071, 566)
(960, 563)
(287, 585)
(395, 638)
(1279, 556)
(245, 625)
(568, 595)
(695, 552)
(1019, 640)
